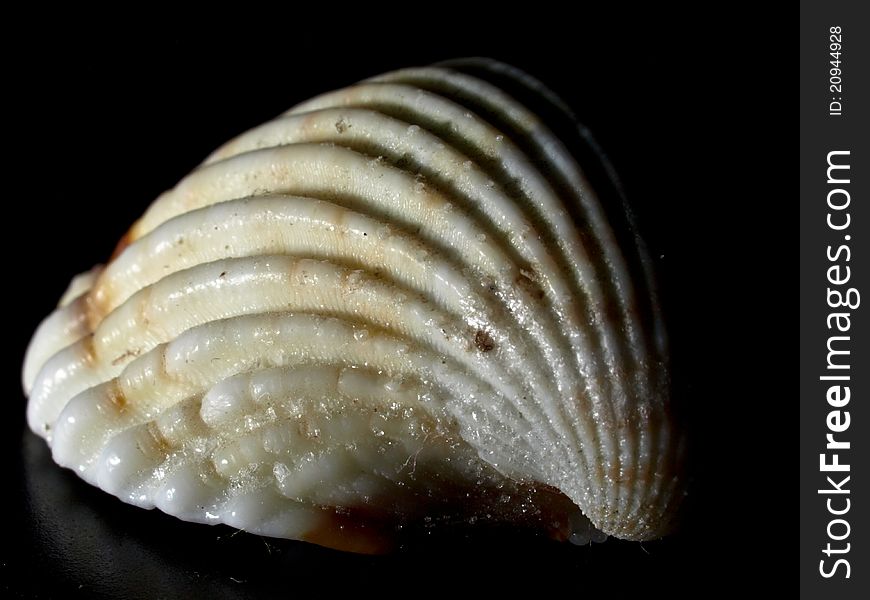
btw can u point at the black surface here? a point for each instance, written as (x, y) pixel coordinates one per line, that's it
(103, 124)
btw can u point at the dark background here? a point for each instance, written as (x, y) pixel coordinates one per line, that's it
(690, 110)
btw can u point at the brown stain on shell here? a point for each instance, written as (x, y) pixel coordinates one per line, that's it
(483, 341)
(125, 241)
(527, 280)
(363, 530)
(116, 398)
(97, 305)
(350, 531)
(132, 353)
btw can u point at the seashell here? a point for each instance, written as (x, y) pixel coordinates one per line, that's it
(395, 302)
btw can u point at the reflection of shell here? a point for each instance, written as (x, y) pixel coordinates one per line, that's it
(395, 300)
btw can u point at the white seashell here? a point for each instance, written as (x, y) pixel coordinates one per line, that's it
(395, 300)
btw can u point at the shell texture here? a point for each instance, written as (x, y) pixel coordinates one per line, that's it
(393, 300)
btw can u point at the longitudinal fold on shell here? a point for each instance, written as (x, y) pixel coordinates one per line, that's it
(398, 299)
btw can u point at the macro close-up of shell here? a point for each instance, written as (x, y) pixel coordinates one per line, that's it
(400, 302)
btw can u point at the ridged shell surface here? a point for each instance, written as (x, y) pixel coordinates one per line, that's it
(394, 300)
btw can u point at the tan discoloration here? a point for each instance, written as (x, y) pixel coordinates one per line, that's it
(483, 341)
(307, 427)
(126, 356)
(89, 350)
(344, 531)
(309, 124)
(364, 530)
(79, 314)
(164, 363)
(160, 442)
(145, 305)
(127, 239)
(432, 200)
(527, 281)
(117, 397)
(97, 306)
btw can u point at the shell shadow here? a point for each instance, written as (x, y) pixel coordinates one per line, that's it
(84, 542)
